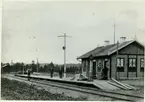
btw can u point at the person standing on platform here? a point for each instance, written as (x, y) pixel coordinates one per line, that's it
(51, 72)
(105, 72)
(60, 72)
(29, 72)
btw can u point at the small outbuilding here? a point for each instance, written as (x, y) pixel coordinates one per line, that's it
(124, 60)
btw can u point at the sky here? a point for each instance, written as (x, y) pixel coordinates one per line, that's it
(30, 29)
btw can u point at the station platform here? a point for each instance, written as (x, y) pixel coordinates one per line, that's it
(99, 84)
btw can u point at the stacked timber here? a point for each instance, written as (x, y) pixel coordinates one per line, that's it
(123, 85)
(104, 85)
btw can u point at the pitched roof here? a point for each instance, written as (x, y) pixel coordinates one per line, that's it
(106, 50)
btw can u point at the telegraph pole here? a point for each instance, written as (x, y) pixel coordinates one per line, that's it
(64, 48)
(114, 31)
(116, 59)
(37, 65)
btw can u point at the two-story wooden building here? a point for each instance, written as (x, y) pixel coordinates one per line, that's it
(124, 60)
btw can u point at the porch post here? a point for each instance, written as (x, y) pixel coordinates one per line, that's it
(83, 62)
(90, 69)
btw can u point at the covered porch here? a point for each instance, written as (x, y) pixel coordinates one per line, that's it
(92, 67)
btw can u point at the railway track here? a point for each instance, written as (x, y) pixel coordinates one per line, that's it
(88, 90)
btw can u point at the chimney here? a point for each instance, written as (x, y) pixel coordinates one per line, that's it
(122, 39)
(106, 42)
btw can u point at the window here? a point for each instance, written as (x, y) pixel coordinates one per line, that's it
(120, 64)
(132, 65)
(132, 62)
(142, 64)
(99, 65)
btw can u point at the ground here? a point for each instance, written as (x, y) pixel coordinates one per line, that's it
(12, 90)
(139, 84)
(15, 90)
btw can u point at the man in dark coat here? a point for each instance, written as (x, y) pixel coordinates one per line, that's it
(105, 72)
(60, 72)
(29, 72)
(51, 73)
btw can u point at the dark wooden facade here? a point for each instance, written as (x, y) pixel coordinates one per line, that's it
(128, 63)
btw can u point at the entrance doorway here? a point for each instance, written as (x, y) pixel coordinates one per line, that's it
(105, 70)
(94, 70)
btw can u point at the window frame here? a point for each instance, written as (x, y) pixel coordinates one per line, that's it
(99, 66)
(141, 68)
(121, 64)
(133, 64)
(133, 67)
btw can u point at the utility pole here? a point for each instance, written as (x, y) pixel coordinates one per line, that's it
(37, 65)
(116, 59)
(64, 48)
(114, 31)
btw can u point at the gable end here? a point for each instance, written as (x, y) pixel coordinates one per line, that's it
(133, 48)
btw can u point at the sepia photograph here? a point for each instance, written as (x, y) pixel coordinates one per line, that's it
(81, 50)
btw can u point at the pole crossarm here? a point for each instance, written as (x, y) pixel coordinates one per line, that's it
(64, 36)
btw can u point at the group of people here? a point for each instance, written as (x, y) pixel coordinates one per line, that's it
(51, 73)
(60, 72)
(104, 73)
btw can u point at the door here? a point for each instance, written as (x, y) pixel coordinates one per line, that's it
(105, 72)
(94, 70)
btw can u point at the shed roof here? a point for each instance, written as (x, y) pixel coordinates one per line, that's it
(106, 50)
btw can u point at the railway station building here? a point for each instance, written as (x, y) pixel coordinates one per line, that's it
(124, 60)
